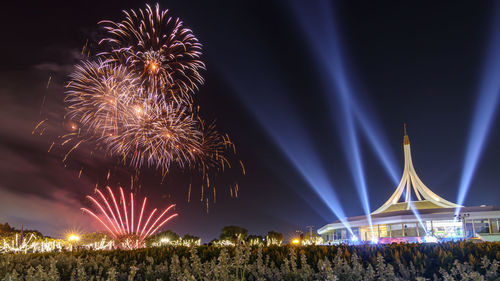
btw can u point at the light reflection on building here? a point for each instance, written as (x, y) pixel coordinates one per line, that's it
(412, 220)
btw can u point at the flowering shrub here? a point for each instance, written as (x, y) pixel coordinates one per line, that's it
(447, 261)
(29, 244)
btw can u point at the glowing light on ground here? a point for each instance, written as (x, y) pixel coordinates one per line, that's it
(430, 239)
(32, 244)
(73, 238)
(354, 239)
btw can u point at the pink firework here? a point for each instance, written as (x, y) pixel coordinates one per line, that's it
(120, 221)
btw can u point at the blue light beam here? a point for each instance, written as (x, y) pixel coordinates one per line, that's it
(378, 142)
(484, 112)
(419, 218)
(294, 143)
(317, 22)
(272, 109)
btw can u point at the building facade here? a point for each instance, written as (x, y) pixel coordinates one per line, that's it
(415, 214)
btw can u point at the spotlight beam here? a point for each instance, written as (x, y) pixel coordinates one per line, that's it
(290, 137)
(324, 40)
(417, 215)
(484, 112)
(271, 107)
(378, 142)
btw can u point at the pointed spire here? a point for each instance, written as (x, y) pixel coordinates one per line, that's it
(409, 181)
(406, 139)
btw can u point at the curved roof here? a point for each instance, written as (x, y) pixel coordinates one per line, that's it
(419, 205)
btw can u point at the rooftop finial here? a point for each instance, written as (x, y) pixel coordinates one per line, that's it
(406, 139)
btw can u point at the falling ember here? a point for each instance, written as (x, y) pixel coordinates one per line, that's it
(80, 173)
(38, 125)
(243, 168)
(71, 150)
(50, 148)
(189, 193)
(85, 47)
(124, 228)
(48, 82)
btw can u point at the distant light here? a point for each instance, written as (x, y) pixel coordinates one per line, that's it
(430, 239)
(374, 240)
(354, 238)
(73, 238)
(296, 241)
(164, 240)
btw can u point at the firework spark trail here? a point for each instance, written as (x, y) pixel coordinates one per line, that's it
(38, 125)
(116, 208)
(118, 229)
(115, 224)
(147, 222)
(159, 218)
(124, 204)
(140, 216)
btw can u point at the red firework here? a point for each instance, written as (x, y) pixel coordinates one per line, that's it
(122, 226)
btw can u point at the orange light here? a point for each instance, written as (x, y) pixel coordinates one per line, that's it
(296, 241)
(153, 66)
(73, 238)
(138, 109)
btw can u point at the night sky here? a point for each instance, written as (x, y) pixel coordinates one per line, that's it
(418, 62)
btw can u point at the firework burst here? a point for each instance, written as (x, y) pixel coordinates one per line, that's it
(108, 107)
(120, 221)
(159, 49)
(102, 97)
(133, 101)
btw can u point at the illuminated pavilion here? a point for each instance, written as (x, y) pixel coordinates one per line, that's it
(415, 220)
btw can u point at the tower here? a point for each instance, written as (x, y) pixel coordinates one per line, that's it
(410, 181)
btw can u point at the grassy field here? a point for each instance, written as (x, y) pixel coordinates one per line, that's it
(447, 261)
